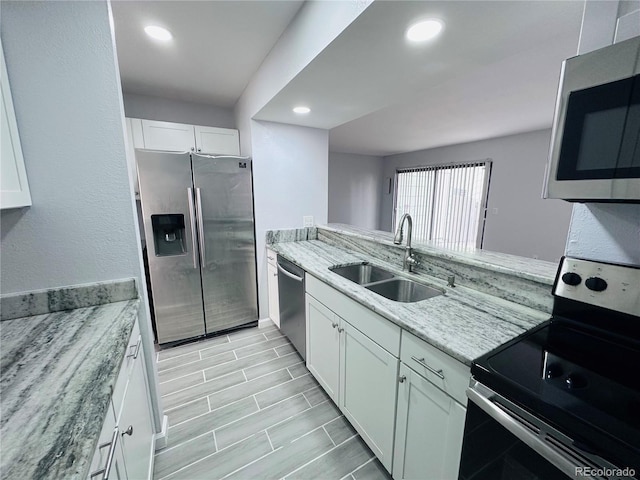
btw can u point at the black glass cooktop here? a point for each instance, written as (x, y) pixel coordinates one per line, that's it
(583, 381)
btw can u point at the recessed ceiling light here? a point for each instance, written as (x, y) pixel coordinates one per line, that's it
(425, 30)
(158, 33)
(301, 110)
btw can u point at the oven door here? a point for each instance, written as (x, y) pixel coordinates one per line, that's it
(504, 442)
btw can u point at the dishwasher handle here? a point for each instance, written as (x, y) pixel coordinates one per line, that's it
(289, 274)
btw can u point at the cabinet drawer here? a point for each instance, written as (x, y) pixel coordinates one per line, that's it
(445, 372)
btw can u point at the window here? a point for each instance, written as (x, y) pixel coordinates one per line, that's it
(446, 202)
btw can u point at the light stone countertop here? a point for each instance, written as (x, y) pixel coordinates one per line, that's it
(463, 323)
(56, 374)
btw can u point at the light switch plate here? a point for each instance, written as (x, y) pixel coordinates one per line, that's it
(307, 221)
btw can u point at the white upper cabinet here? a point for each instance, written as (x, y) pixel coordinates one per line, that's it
(14, 188)
(179, 137)
(172, 137)
(217, 141)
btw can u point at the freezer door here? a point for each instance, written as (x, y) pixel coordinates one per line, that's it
(168, 211)
(224, 205)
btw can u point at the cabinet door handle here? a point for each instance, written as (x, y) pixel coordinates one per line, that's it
(134, 350)
(402, 378)
(112, 450)
(199, 149)
(128, 431)
(437, 373)
(192, 149)
(270, 258)
(334, 325)
(340, 330)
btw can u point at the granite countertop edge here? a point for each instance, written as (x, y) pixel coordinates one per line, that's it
(429, 319)
(467, 258)
(57, 387)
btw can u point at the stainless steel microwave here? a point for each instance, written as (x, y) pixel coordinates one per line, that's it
(595, 141)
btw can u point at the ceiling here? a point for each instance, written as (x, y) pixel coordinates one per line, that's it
(494, 70)
(217, 46)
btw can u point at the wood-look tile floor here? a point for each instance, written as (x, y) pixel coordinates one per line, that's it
(244, 406)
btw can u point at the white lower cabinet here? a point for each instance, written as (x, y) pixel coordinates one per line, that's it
(323, 346)
(368, 390)
(405, 399)
(429, 429)
(135, 422)
(127, 430)
(356, 372)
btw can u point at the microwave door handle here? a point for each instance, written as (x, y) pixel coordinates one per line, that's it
(192, 223)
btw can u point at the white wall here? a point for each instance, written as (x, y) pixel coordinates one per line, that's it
(606, 232)
(290, 170)
(355, 189)
(525, 224)
(169, 110)
(66, 92)
(81, 227)
(316, 24)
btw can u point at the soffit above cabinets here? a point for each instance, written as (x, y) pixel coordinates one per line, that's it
(493, 71)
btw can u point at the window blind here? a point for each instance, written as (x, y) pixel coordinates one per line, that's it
(446, 202)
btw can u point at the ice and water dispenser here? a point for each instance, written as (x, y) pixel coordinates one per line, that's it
(168, 234)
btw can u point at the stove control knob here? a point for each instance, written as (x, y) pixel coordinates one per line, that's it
(571, 278)
(596, 284)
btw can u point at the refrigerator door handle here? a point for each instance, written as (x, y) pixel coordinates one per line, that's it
(192, 222)
(200, 227)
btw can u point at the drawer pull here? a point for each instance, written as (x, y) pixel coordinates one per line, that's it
(270, 258)
(134, 350)
(112, 450)
(402, 378)
(438, 373)
(334, 325)
(128, 431)
(340, 330)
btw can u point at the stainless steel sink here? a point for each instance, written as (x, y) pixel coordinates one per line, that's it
(362, 273)
(402, 290)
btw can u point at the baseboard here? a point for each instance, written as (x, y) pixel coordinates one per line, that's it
(162, 437)
(264, 322)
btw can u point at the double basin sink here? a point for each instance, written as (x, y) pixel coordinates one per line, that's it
(385, 283)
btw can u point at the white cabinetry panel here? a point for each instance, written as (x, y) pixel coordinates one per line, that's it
(429, 430)
(14, 187)
(272, 287)
(217, 141)
(172, 137)
(368, 391)
(323, 346)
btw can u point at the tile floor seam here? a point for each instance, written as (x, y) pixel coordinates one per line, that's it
(237, 348)
(320, 456)
(359, 467)
(270, 426)
(250, 463)
(224, 389)
(193, 386)
(189, 363)
(209, 403)
(211, 410)
(269, 438)
(325, 431)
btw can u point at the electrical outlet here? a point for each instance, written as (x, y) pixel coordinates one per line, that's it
(307, 221)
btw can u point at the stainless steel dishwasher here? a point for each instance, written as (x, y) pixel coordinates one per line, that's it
(293, 321)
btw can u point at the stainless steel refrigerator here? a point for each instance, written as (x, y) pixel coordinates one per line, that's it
(199, 229)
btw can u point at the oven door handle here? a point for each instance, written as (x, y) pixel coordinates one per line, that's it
(551, 453)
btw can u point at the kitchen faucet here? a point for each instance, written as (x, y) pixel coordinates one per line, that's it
(409, 261)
